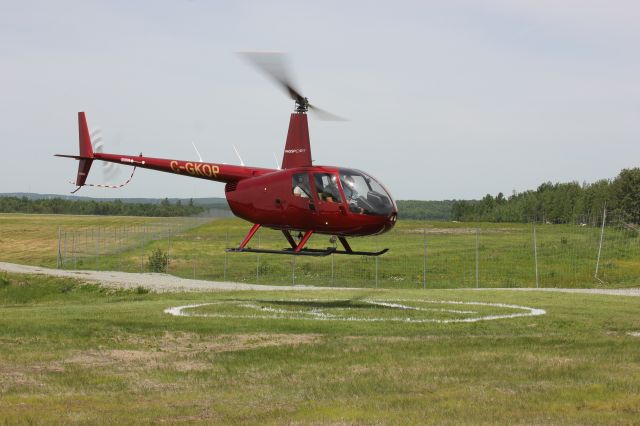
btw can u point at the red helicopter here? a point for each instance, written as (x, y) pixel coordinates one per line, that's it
(299, 197)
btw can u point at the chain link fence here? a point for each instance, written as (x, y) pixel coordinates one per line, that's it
(588, 253)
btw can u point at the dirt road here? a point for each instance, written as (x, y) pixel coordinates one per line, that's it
(168, 283)
(156, 282)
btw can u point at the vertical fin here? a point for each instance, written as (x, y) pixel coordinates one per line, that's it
(86, 151)
(297, 150)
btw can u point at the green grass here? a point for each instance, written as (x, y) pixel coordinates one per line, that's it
(33, 238)
(566, 253)
(72, 353)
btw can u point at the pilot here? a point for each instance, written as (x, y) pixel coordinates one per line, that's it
(349, 187)
(327, 192)
(332, 190)
(350, 192)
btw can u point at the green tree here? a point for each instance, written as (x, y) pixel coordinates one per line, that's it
(626, 194)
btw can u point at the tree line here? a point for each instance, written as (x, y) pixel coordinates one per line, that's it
(424, 210)
(559, 202)
(90, 207)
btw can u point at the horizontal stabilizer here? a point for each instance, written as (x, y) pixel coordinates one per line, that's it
(75, 157)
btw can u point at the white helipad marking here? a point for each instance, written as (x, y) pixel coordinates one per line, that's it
(319, 315)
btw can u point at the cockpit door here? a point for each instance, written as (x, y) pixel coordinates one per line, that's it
(330, 207)
(301, 207)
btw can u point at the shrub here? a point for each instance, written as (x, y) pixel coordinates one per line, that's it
(141, 290)
(158, 261)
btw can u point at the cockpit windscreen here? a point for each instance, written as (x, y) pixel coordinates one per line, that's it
(364, 194)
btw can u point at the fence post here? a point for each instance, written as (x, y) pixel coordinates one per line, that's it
(144, 234)
(424, 258)
(333, 277)
(293, 270)
(64, 248)
(258, 262)
(376, 267)
(86, 245)
(535, 252)
(118, 237)
(59, 259)
(97, 248)
(224, 273)
(477, 261)
(169, 232)
(73, 250)
(604, 217)
(194, 262)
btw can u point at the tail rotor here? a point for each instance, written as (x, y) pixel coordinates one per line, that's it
(110, 171)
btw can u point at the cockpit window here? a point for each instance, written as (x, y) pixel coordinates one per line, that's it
(300, 185)
(327, 187)
(364, 194)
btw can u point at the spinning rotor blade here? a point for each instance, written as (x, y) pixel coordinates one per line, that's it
(274, 65)
(321, 114)
(109, 170)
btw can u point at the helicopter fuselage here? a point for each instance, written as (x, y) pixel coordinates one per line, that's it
(271, 200)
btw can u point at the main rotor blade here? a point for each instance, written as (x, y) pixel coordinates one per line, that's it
(325, 115)
(274, 65)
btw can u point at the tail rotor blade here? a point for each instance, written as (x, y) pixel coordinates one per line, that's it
(96, 140)
(110, 171)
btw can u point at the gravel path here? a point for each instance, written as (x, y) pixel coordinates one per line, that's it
(157, 282)
(168, 283)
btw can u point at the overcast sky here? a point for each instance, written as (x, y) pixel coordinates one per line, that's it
(449, 99)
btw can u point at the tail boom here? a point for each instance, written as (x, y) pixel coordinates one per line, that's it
(198, 169)
(210, 171)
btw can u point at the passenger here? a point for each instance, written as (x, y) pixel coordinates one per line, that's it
(300, 189)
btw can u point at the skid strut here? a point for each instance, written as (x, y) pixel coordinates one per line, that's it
(250, 235)
(345, 244)
(299, 248)
(289, 238)
(303, 241)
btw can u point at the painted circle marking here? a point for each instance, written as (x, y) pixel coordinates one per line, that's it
(317, 314)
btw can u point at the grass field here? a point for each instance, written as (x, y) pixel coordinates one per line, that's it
(33, 238)
(433, 254)
(72, 353)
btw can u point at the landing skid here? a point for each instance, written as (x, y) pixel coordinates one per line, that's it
(308, 251)
(303, 252)
(299, 249)
(362, 253)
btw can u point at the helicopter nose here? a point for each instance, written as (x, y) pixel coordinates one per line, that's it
(391, 220)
